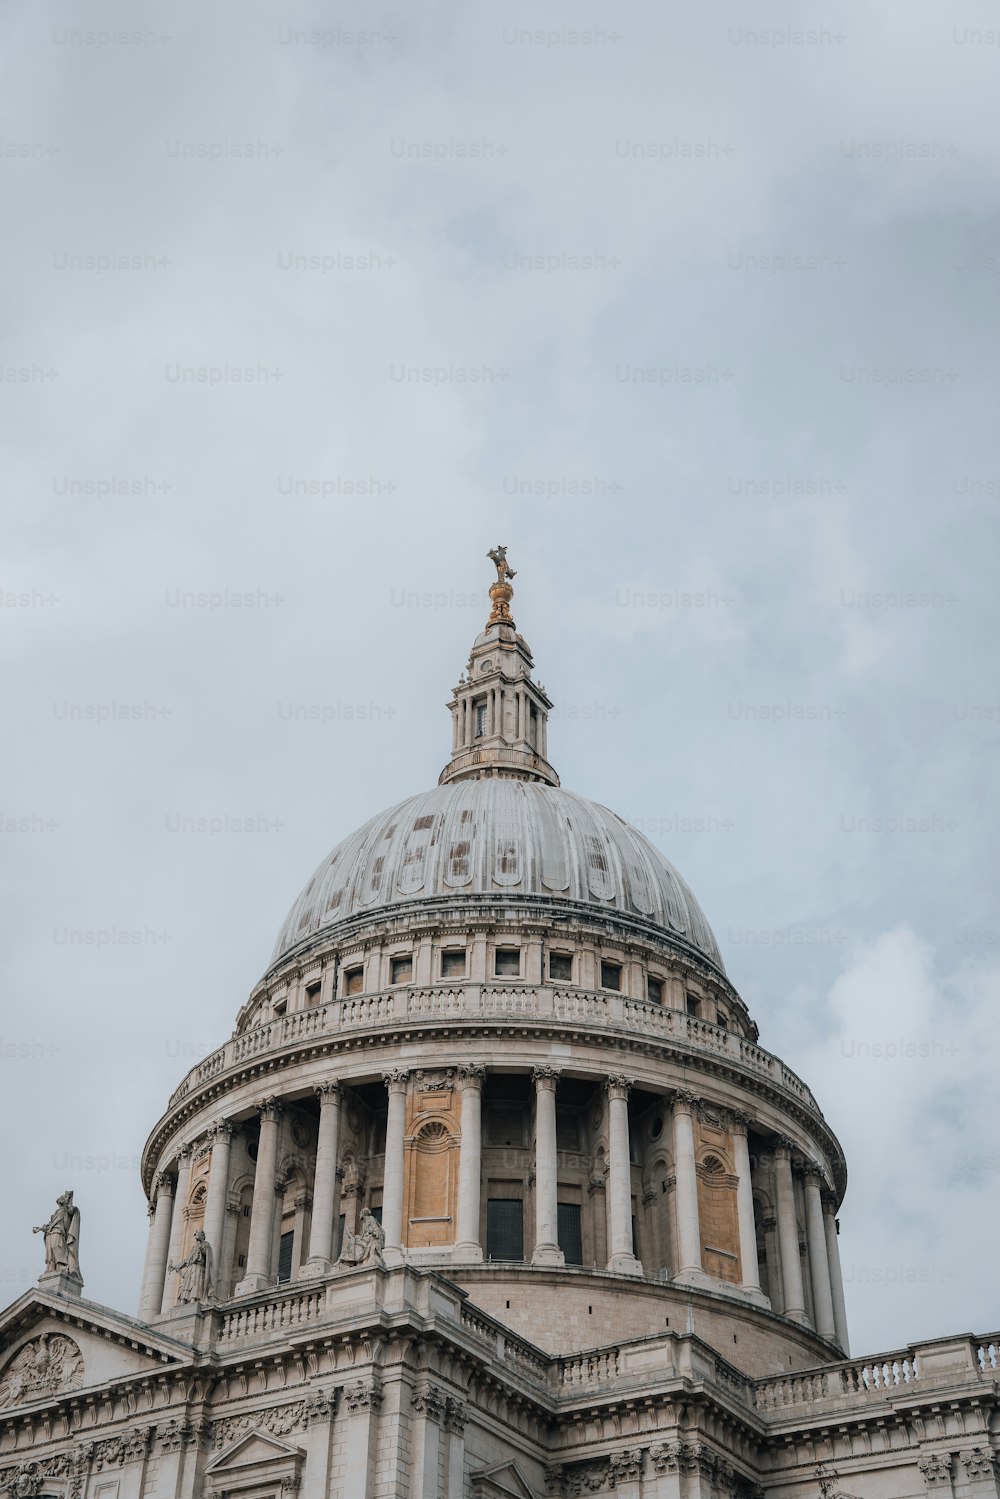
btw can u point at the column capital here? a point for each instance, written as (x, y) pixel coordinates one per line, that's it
(329, 1092)
(185, 1154)
(165, 1183)
(546, 1076)
(471, 1074)
(739, 1122)
(782, 1147)
(814, 1173)
(396, 1079)
(829, 1201)
(618, 1086)
(270, 1109)
(222, 1129)
(685, 1100)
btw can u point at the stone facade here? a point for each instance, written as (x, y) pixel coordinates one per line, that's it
(501, 1196)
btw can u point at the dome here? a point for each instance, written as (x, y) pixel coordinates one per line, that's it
(498, 836)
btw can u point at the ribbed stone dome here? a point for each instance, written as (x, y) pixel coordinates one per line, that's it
(498, 836)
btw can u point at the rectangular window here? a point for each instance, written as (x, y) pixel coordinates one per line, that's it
(401, 969)
(722, 1019)
(693, 1005)
(570, 1232)
(376, 1211)
(561, 967)
(480, 711)
(505, 1125)
(285, 1256)
(354, 979)
(611, 976)
(340, 1233)
(654, 991)
(453, 963)
(313, 993)
(504, 1229)
(508, 962)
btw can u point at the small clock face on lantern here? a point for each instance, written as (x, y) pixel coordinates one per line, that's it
(486, 666)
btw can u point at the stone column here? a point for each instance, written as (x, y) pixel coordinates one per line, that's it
(429, 1406)
(621, 1255)
(749, 1268)
(259, 1270)
(788, 1234)
(363, 1399)
(470, 1162)
(320, 1408)
(546, 1250)
(175, 1250)
(157, 1250)
(836, 1277)
(456, 1420)
(326, 1194)
(218, 1188)
(686, 1188)
(819, 1265)
(392, 1179)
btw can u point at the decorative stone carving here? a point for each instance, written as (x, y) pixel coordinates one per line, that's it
(329, 1090)
(625, 1467)
(456, 1415)
(546, 1076)
(618, 1085)
(434, 1082)
(320, 1407)
(270, 1108)
(472, 1074)
(279, 1421)
(23, 1482)
(396, 1079)
(49, 1365)
(979, 1462)
(62, 1238)
(589, 1478)
(197, 1281)
(363, 1395)
(936, 1469)
(172, 1436)
(137, 1444)
(665, 1457)
(430, 1402)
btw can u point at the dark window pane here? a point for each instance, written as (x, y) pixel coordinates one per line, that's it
(692, 1005)
(453, 964)
(340, 1235)
(285, 1257)
(570, 1232)
(376, 1212)
(611, 976)
(560, 966)
(401, 969)
(654, 991)
(508, 962)
(504, 1229)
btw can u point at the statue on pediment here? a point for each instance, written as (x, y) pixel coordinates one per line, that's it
(62, 1238)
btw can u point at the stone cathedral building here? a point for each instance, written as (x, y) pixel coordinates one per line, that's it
(493, 1194)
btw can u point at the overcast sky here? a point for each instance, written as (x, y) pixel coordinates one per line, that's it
(694, 308)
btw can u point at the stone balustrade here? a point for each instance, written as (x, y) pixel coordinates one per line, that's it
(600, 1011)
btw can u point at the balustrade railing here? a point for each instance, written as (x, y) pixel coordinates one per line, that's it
(593, 1009)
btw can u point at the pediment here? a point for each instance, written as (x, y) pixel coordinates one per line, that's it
(252, 1449)
(52, 1346)
(504, 1481)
